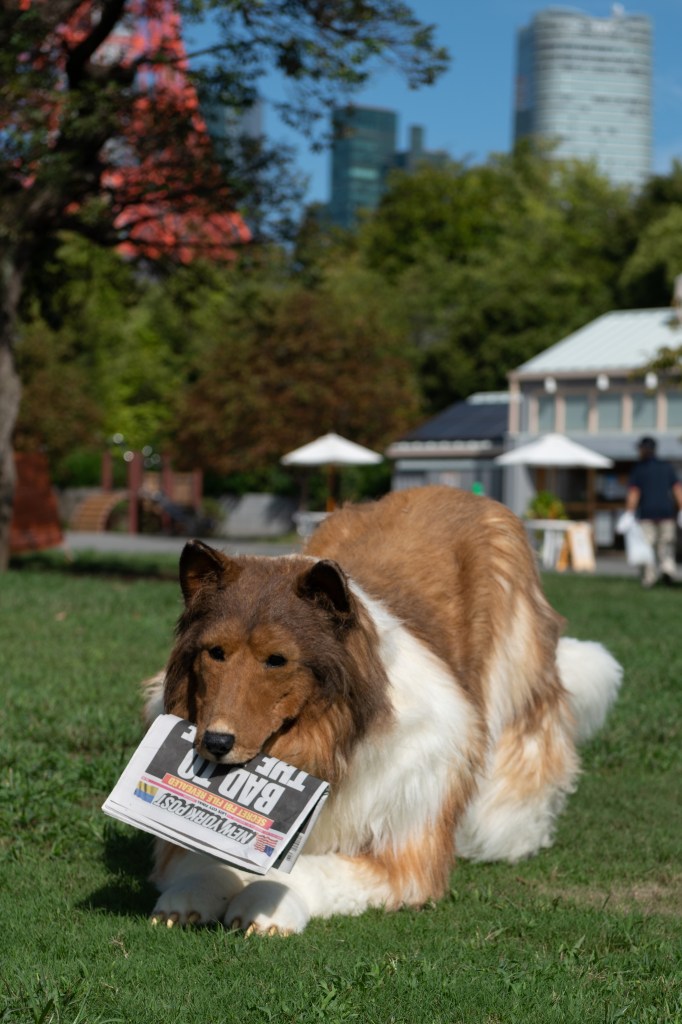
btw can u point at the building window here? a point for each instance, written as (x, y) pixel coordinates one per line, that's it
(449, 478)
(674, 409)
(546, 414)
(643, 412)
(577, 410)
(609, 412)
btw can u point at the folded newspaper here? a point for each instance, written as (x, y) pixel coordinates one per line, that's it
(255, 816)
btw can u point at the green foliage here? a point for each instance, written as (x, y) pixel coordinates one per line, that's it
(657, 259)
(495, 262)
(82, 148)
(60, 410)
(588, 930)
(546, 505)
(226, 371)
(279, 364)
(272, 479)
(80, 468)
(107, 346)
(323, 48)
(659, 192)
(462, 274)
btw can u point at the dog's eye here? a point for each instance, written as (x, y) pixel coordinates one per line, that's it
(275, 661)
(216, 653)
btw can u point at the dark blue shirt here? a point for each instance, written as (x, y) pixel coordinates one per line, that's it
(654, 480)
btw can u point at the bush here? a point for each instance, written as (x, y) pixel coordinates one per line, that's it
(546, 505)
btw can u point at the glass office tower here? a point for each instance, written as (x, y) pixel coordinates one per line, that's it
(362, 155)
(226, 126)
(585, 83)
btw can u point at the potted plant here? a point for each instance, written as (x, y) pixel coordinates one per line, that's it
(546, 505)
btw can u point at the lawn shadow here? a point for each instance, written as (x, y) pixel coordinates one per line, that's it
(90, 563)
(128, 859)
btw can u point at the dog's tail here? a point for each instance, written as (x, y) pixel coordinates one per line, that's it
(592, 678)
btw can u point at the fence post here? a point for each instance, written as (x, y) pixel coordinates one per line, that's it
(135, 470)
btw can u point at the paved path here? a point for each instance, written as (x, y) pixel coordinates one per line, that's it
(154, 544)
(151, 544)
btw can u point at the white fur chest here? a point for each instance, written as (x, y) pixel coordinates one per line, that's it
(398, 777)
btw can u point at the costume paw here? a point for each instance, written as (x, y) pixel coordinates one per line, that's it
(267, 908)
(194, 900)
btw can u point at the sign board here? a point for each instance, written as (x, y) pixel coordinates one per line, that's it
(578, 548)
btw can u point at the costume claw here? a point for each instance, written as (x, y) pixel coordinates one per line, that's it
(236, 924)
(156, 919)
(273, 930)
(250, 930)
(193, 918)
(172, 920)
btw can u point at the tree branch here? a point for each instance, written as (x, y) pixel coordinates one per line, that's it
(79, 57)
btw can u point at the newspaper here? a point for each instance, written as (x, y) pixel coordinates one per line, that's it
(255, 816)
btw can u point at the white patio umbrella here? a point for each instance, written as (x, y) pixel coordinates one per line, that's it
(331, 450)
(554, 450)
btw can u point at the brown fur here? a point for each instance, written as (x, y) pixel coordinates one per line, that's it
(282, 654)
(468, 561)
(309, 712)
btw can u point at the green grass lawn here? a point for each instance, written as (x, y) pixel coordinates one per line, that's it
(590, 930)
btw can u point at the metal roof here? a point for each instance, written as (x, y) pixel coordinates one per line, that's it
(622, 340)
(480, 417)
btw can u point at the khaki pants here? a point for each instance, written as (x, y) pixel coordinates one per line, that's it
(662, 536)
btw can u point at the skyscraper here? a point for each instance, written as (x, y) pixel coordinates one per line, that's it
(416, 155)
(362, 156)
(226, 126)
(585, 83)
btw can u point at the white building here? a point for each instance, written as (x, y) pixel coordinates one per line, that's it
(457, 447)
(595, 387)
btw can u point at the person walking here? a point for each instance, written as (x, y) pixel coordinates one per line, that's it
(654, 497)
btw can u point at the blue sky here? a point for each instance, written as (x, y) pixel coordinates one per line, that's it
(469, 111)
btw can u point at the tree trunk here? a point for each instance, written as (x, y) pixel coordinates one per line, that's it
(10, 395)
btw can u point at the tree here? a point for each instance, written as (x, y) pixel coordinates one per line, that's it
(89, 318)
(100, 132)
(649, 274)
(493, 263)
(282, 367)
(658, 193)
(225, 370)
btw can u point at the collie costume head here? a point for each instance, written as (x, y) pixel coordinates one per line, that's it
(273, 655)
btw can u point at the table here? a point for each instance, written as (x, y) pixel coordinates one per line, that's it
(555, 533)
(307, 522)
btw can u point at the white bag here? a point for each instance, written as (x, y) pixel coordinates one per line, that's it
(638, 550)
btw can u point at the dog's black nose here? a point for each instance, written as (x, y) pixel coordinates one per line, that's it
(218, 743)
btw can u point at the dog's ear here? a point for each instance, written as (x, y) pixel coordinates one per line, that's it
(203, 566)
(326, 583)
